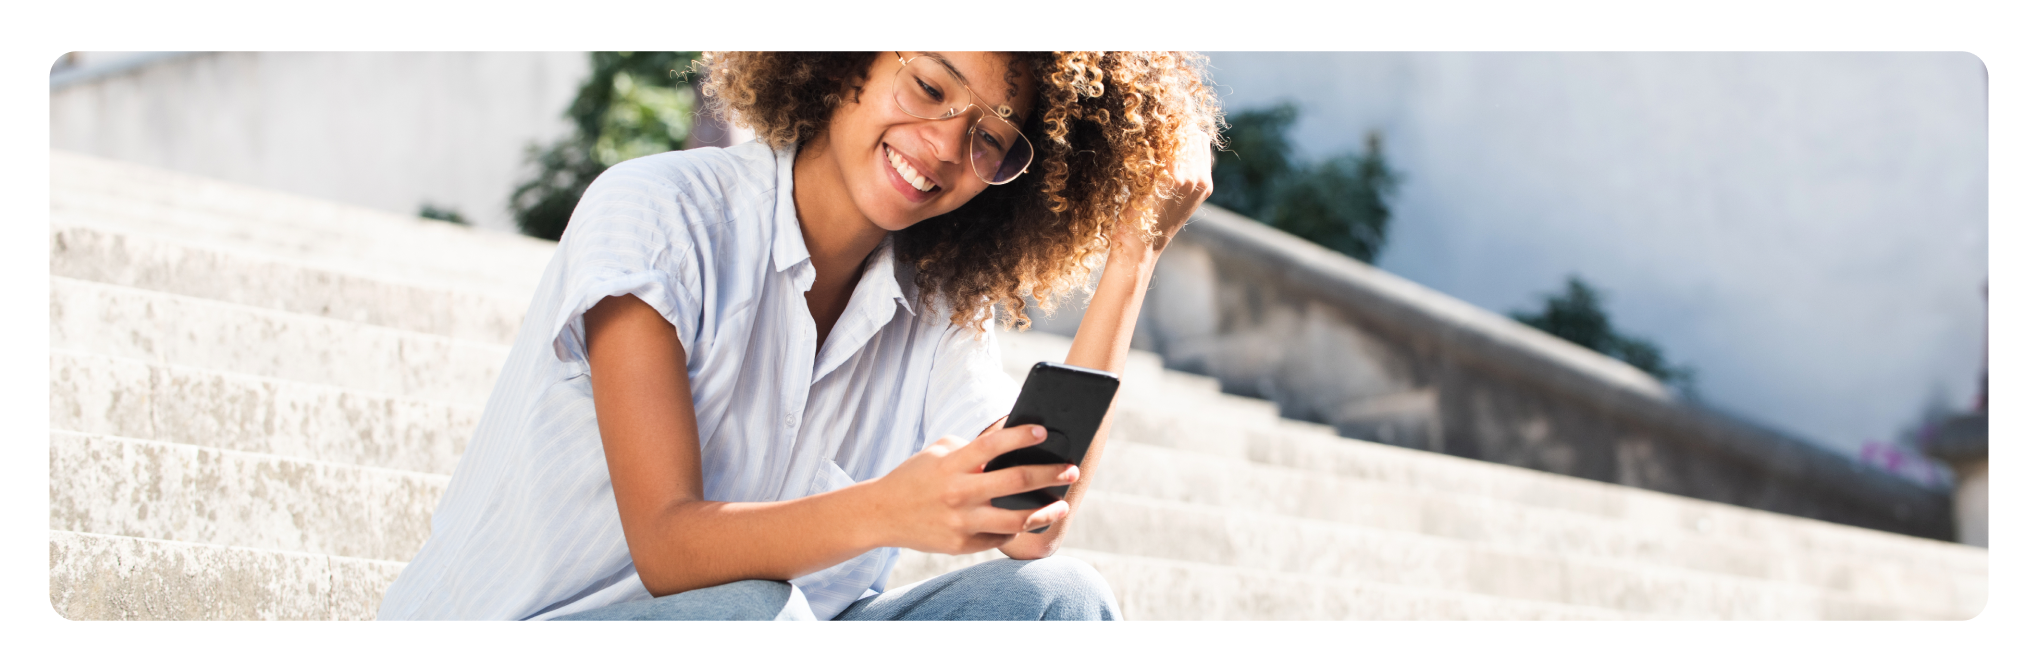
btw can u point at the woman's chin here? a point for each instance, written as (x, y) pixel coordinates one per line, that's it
(892, 213)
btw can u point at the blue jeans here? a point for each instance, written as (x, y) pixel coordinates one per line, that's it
(1049, 589)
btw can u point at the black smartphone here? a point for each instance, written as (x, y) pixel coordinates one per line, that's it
(1070, 402)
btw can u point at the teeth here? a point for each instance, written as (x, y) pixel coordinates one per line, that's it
(905, 170)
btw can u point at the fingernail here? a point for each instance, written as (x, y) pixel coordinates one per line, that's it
(1070, 473)
(1039, 433)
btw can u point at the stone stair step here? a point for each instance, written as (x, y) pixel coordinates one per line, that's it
(94, 394)
(164, 328)
(1130, 525)
(144, 262)
(1444, 473)
(175, 492)
(108, 195)
(1165, 590)
(393, 257)
(1165, 474)
(105, 577)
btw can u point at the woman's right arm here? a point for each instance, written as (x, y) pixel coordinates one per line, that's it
(936, 501)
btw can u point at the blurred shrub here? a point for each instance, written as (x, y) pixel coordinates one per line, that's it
(1575, 315)
(429, 211)
(634, 103)
(1340, 203)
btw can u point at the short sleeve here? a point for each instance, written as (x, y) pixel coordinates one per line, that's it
(969, 388)
(628, 235)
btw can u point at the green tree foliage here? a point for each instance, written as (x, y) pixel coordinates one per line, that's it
(1575, 315)
(634, 103)
(1340, 203)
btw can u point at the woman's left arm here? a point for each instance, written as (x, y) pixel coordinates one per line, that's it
(1104, 337)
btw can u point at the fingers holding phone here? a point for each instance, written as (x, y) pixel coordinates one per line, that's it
(957, 497)
(939, 500)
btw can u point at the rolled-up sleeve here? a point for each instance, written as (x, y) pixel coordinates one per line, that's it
(620, 241)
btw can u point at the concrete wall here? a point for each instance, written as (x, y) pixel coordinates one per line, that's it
(1336, 341)
(384, 130)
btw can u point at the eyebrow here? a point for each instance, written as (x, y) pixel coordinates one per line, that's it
(943, 60)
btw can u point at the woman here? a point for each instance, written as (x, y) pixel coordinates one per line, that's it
(718, 401)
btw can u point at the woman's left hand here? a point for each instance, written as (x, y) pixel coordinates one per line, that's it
(1178, 194)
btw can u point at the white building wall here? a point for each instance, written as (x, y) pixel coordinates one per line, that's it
(384, 130)
(1809, 229)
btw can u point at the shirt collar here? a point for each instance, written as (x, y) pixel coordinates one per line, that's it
(887, 280)
(873, 304)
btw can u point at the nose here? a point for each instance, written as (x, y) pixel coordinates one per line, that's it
(950, 137)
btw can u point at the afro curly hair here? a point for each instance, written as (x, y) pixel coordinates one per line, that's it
(1105, 125)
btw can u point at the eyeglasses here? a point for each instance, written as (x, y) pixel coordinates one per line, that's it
(926, 88)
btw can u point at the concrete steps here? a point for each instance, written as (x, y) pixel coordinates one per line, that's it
(256, 400)
(216, 335)
(1221, 486)
(123, 198)
(256, 281)
(109, 577)
(114, 396)
(180, 492)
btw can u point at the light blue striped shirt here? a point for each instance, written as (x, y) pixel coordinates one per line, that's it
(528, 527)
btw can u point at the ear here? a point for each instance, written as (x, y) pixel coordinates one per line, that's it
(855, 86)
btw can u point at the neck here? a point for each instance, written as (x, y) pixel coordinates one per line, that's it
(838, 236)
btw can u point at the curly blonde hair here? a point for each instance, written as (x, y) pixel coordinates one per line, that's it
(1105, 127)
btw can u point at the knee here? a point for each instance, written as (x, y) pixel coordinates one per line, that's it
(1063, 573)
(1066, 588)
(748, 600)
(751, 600)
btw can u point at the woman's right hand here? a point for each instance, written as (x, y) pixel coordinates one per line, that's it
(939, 500)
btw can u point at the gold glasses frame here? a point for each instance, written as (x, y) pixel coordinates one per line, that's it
(1002, 113)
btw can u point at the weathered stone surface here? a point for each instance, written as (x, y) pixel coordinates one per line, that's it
(358, 586)
(100, 577)
(107, 396)
(141, 262)
(164, 328)
(97, 577)
(123, 397)
(113, 486)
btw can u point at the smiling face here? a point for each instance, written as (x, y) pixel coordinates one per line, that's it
(898, 169)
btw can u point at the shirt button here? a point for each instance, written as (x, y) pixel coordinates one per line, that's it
(789, 419)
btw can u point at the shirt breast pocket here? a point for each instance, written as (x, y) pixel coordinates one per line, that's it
(829, 478)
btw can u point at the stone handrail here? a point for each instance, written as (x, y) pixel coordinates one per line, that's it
(1454, 344)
